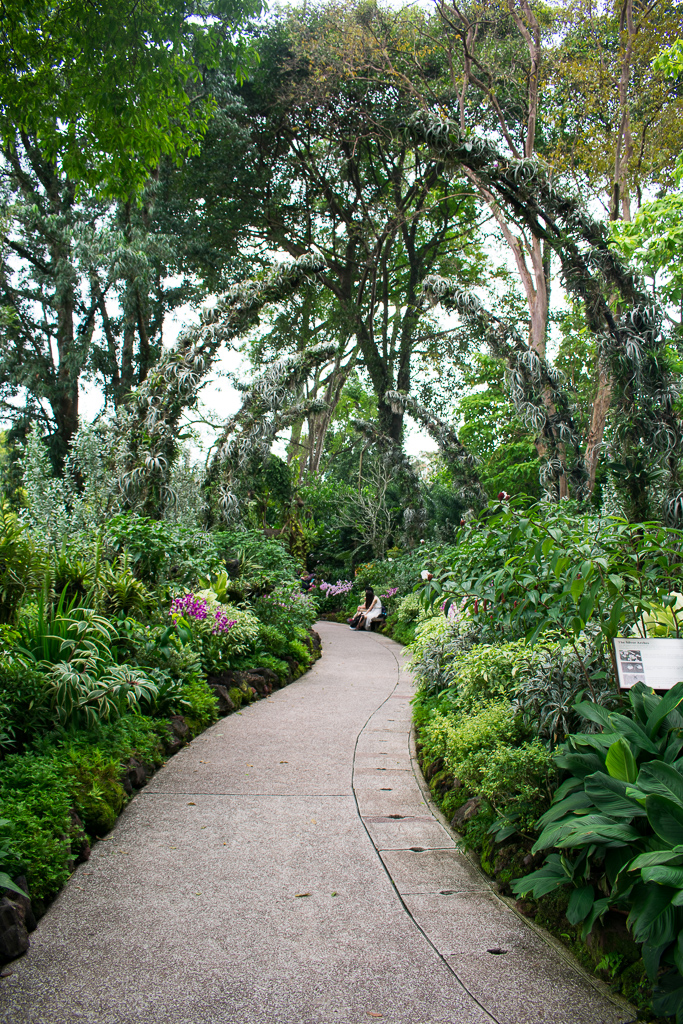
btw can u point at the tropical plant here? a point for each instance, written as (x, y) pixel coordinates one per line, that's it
(526, 570)
(83, 690)
(119, 591)
(21, 564)
(51, 633)
(553, 679)
(219, 633)
(617, 823)
(6, 854)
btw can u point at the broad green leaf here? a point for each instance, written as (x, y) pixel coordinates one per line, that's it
(668, 996)
(609, 795)
(645, 860)
(652, 956)
(666, 818)
(580, 764)
(567, 787)
(668, 703)
(598, 908)
(633, 732)
(584, 830)
(659, 777)
(7, 883)
(586, 607)
(601, 741)
(559, 808)
(664, 875)
(593, 712)
(543, 881)
(601, 835)
(650, 905)
(580, 903)
(620, 762)
(554, 833)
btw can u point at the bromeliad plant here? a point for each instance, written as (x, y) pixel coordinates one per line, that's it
(617, 826)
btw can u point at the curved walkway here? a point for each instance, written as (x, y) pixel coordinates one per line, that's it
(284, 868)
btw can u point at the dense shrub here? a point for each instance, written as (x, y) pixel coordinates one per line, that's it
(161, 552)
(466, 744)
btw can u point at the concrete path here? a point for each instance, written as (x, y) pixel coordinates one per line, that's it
(285, 869)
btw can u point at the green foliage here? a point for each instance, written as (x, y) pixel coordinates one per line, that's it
(485, 673)
(160, 552)
(21, 564)
(404, 621)
(200, 704)
(257, 555)
(518, 782)
(281, 668)
(82, 691)
(24, 703)
(119, 591)
(56, 632)
(104, 90)
(553, 678)
(299, 652)
(491, 431)
(287, 608)
(93, 780)
(653, 241)
(428, 633)
(36, 798)
(271, 639)
(618, 824)
(218, 650)
(466, 744)
(157, 647)
(525, 571)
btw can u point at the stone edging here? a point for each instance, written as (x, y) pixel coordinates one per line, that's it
(550, 940)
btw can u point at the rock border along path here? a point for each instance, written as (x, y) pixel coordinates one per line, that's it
(286, 868)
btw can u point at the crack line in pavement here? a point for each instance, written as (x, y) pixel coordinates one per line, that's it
(406, 909)
(288, 796)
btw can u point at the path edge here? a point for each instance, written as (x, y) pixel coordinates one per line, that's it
(561, 950)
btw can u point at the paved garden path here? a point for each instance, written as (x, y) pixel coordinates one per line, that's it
(285, 869)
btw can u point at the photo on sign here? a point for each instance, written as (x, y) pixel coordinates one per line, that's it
(632, 669)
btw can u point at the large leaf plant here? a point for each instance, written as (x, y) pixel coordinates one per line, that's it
(616, 831)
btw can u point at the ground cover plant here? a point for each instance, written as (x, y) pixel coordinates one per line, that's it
(104, 660)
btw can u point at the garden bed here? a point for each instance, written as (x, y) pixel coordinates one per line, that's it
(66, 795)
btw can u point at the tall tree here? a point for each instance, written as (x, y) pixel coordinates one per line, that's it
(330, 175)
(615, 120)
(102, 87)
(92, 97)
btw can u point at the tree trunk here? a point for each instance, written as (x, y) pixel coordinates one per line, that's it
(601, 404)
(65, 407)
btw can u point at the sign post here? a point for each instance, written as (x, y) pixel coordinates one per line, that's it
(658, 663)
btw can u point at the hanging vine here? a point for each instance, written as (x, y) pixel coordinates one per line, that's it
(272, 402)
(147, 429)
(646, 430)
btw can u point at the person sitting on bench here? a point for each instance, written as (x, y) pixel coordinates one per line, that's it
(367, 612)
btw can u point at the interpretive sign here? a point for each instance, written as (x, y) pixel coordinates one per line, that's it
(655, 662)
